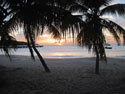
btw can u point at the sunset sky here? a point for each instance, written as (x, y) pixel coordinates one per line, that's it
(46, 39)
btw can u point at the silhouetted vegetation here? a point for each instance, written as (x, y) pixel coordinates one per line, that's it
(56, 17)
(91, 34)
(35, 16)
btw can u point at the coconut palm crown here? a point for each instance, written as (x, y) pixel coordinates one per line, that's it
(6, 40)
(36, 17)
(91, 34)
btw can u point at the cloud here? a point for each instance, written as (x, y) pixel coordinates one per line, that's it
(107, 17)
(115, 2)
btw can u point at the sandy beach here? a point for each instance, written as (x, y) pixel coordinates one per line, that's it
(22, 75)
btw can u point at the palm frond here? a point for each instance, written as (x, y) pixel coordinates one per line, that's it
(78, 8)
(7, 43)
(117, 9)
(114, 29)
(54, 31)
(65, 4)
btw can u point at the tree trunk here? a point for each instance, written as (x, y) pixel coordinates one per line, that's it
(97, 61)
(30, 49)
(37, 52)
(40, 57)
(97, 65)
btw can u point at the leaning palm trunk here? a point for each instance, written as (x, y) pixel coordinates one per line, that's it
(41, 58)
(37, 52)
(97, 61)
(30, 49)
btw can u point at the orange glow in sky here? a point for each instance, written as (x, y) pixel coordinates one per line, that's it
(47, 39)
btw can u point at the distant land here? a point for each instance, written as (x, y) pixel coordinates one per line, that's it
(20, 44)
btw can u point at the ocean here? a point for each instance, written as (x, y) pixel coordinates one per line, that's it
(70, 51)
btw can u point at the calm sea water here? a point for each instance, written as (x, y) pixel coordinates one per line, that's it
(70, 51)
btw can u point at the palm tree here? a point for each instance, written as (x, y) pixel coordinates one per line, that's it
(91, 34)
(6, 40)
(35, 16)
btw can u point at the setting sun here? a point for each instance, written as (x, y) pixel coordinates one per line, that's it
(48, 40)
(59, 44)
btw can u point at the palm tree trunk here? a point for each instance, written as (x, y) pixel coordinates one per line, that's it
(97, 61)
(37, 52)
(97, 64)
(30, 48)
(40, 57)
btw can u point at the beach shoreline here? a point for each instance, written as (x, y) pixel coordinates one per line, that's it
(22, 75)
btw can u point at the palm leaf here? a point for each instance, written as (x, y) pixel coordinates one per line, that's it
(114, 9)
(114, 29)
(54, 31)
(78, 8)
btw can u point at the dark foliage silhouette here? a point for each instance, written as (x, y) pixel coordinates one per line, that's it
(36, 17)
(91, 34)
